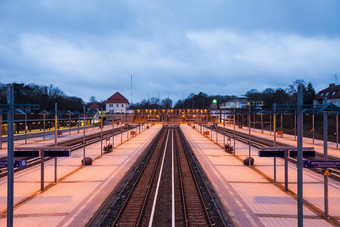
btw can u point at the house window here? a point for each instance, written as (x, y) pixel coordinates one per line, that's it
(122, 105)
(117, 105)
(327, 93)
(333, 93)
(321, 94)
(111, 105)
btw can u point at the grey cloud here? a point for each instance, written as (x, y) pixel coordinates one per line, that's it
(171, 47)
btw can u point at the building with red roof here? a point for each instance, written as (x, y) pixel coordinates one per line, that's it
(332, 93)
(93, 106)
(117, 103)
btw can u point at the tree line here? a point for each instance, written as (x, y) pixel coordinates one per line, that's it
(46, 96)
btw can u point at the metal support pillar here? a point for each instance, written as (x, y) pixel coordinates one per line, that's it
(262, 123)
(42, 174)
(78, 121)
(121, 129)
(101, 134)
(286, 171)
(274, 130)
(44, 116)
(55, 138)
(69, 124)
(234, 131)
(223, 134)
(249, 125)
(313, 128)
(254, 121)
(84, 139)
(10, 155)
(281, 123)
(295, 124)
(113, 132)
(337, 131)
(299, 156)
(270, 123)
(325, 156)
(25, 128)
(1, 129)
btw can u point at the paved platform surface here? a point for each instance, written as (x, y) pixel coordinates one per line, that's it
(80, 190)
(249, 194)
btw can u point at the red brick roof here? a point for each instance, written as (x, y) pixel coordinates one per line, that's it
(333, 91)
(93, 106)
(117, 98)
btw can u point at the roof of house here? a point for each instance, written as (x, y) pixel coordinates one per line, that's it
(332, 92)
(117, 98)
(93, 106)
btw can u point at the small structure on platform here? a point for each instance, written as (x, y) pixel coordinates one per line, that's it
(117, 103)
(93, 106)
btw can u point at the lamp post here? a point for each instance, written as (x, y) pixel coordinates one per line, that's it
(101, 133)
(84, 138)
(44, 113)
(0, 129)
(55, 139)
(249, 125)
(25, 128)
(274, 131)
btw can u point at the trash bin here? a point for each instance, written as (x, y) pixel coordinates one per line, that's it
(88, 161)
(246, 161)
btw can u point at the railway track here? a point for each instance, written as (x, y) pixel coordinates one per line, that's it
(165, 188)
(74, 144)
(259, 142)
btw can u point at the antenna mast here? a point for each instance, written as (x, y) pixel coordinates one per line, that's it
(336, 78)
(131, 89)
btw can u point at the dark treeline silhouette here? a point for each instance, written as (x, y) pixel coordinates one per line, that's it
(282, 96)
(201, 100)
(152, 103)
(45, 96)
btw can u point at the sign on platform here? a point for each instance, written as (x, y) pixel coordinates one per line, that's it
(26, 153)
(272, 154)
(57, 153)
(306, 154)
(20, 164)
(321, 164)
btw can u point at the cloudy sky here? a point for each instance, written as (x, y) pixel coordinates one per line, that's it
(90, 48)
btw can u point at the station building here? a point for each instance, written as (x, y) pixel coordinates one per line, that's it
(117, 103)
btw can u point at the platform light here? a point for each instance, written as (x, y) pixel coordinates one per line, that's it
(214, 101)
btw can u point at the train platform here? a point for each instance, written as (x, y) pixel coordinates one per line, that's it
(249, 194)
(290, 139)
(49, 139)
(80, 189)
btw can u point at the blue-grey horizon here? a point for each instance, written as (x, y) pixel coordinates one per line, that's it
(172, 48)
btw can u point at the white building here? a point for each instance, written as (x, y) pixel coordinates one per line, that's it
(240, 102)
(332, 93)
(236, 102)
(117, 103)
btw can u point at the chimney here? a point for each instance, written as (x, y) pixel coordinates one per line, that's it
(331, 85)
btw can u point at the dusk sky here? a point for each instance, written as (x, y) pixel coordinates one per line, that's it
(90, 48)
